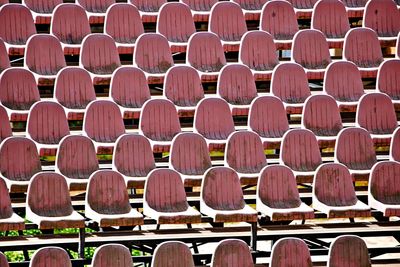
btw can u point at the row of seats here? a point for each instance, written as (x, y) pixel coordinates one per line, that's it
(345, 250)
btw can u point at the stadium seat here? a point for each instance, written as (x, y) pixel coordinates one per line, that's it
(200, 9)
(348, 250)
(41, 10)
(8, 219)
(383, 188)
(4, 60)
(355, 8)
(182, 85)
(96, 9)
(279, 19)
(343, 82)
(355, 149)
(268, 119)
(129, 89)
(18, 92)
(300, 152)
(321, 115)
(112, 255)
(74, 90)
(165, 199)
(47, 125)
(278, 196)
(124, 25)
(330, 17)
(70, 25)
(3, 2)
(206, 54)
(159, 122)
(310, 49)
(303, 8)
(50, 256)
(103, 124)
(76, 160)
(190, 157)
(227, 203)
(16, 26)
(388, 80)
(176, 23)
(44, 57)
(153, 55)
(395, 146)
(5, 127)
(376, 114)
(99, 67)
(107, 201)
(236, 85)
(48, 203)
(133, 158)
(290, 251)
(334, 195)
(23, 162)
(258, 52)
(230, 253)
(289, 83)
(228, 22)
(213, 120)
(3, 258)
(367, 59)
(149, 9)
(251, 8)
(244, 152)
(172, 253)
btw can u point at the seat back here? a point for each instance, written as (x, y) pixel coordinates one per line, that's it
(330, 17)
(383, 182)
(395, 146)
(290, 251)
(382, 16)
(42, 6)
(251, 4)
(303, 4)
(50, 256)
(5, 127)
(200, 5)
(16, 24)
(4, 60)
(112, 255)
(232, 252)
(6, 210)
(96, 6)
(354, 3)
(172, 253)
(3, 260)
(148, 5)
(388, 79)
(348, 250)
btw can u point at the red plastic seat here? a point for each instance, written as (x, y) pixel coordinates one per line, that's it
(237, 86)
(300, 152)
(279, 19)
(50, 256)
(149, 9)
(227, 21)
(222, 197)
(5, 127)
(232, 252)
(395, 146)
(330, 17)
(289, 83)
(388, 80)
(8, 219)
(18, 92)
(107, 201)
(348, 250)
(129, 89)
(76, 160)
(176, 23)
(343, 82)
(310, 49)
(134, 159)
(251, 8)
(367, 59)
(23, 162)
(48, 203)
(124, 25)
(16, 26)
(4, 60)
(153, 55)
(172, 253)
(70, 25)
(159, 122)
(3, 2)
(200, 9)
(268, 119)
(244, 153)
(190, 157)
(213, 120)
(278, 196)
(303, 8)
(206, 54)
(3, 258)
(165, 199)
(383, 188)
(290, 251)
(355, 8)
(334, 195)
(111, 255)
(258, 52)
(96, 9)
(42, 10)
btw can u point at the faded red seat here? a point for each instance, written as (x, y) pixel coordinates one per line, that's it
(278, 196)
(5, 127)
(70, 25)
(190, 157)
(334, 195)
(172, 253)
(124, 25)
(303, 8)
(3, 2)
(9, 220)
(4, 59)
(200, 9)
(222, 197)
(42, 10)
(290, 251)
(96, 9)
(232, 252)
(50, 256)
(149, 9)
(348, 250)
(3, 258)
(395, 146)
(48, 203)
(111, 254)
(388, 80)
(355, 8)
(134, 159)
(107, 201)
(251, 8)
